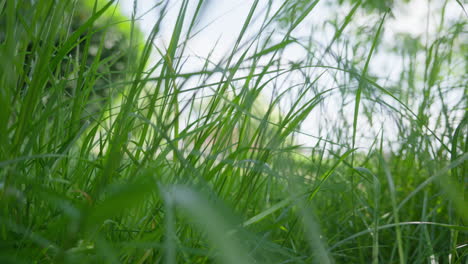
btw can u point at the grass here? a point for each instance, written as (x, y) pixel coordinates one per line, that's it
(149, 163)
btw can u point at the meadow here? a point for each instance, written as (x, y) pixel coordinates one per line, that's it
(111, 151)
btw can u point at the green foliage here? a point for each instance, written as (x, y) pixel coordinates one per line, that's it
(108, 158)
(374, 5)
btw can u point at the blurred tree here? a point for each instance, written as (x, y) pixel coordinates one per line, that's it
(114, 29)
(108, 38)
(373, 5)
(297, 6)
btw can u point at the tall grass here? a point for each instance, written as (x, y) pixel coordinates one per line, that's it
(116, 157)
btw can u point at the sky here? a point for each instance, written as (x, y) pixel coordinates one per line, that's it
(222, 20)
(226, 16)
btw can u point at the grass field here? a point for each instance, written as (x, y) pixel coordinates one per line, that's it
(110, 152)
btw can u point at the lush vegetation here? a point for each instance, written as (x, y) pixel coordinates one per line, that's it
(111, 152)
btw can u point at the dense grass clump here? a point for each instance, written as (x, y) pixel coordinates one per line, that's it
(112, 152)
